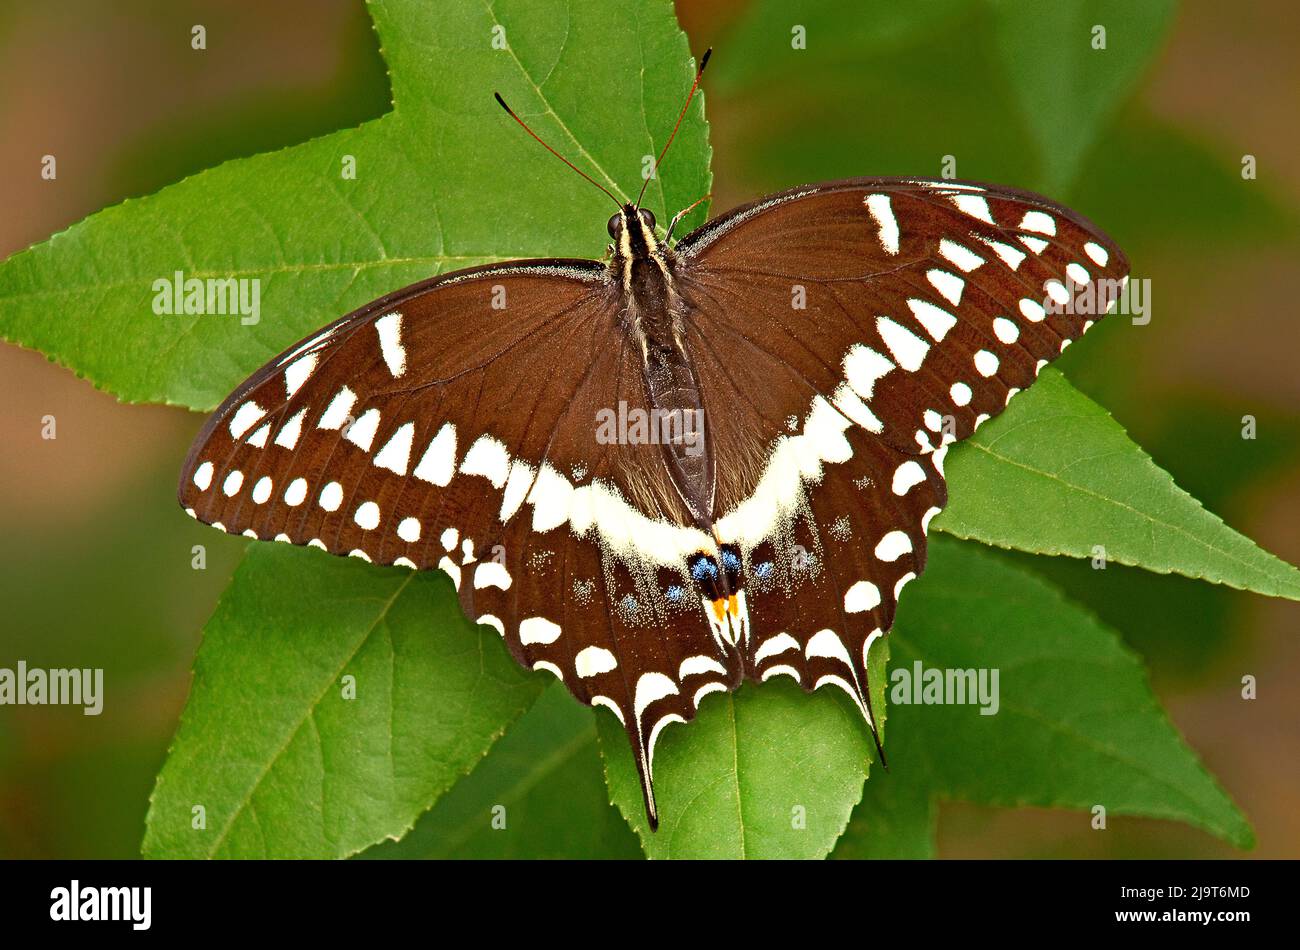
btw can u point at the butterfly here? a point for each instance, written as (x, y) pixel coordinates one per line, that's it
(687, 465)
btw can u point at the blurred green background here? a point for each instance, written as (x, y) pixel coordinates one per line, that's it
(95, 565)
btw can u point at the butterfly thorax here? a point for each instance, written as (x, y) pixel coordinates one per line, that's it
(654, 317)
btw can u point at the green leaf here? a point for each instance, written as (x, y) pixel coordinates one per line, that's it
(766, 772)
(1068, 89)
(786, 38)
(1081, 485)
(543, 780)
(1076, 726)
(281, 762)
(444, 181)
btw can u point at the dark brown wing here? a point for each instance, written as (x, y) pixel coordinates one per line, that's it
(455, 425)
(844, 335)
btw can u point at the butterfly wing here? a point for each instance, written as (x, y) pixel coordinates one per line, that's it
(845, 334)
(454, 425)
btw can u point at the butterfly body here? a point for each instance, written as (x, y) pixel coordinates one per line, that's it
(819, 351)
(653, 315)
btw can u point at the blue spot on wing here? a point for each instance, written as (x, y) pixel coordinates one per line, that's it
(703, 568)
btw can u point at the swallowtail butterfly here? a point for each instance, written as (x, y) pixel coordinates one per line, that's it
(807, 358)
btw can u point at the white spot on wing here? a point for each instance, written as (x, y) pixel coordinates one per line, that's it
(296, 493)
(298, 373)
(1038, 221)
(699, 665)
(781, 670)
(337, 412)
(886, 223)
(1099, 255)
(963, 257)
(973, 205)
(550, 497)
(245, 417)
(826, 643)
(451, 569)
(863, 368)
(331, 496)
(396, 455)
(1032, 310)
(487, 457)
(287, 437)
(534, 630)
(907, 476)
(1010, 256)
(847, 402)
(390, 343)
(861, 597)
(775, 646)
(517, 485)
(650, 688)
(1005, 330)
(439, 461)
(362, 432)
(936, 320)
(203, 476)
(491, 574)
(927, 518)
(592, 661)
(893, 546)
(367, 516)
(908, 348)
(950, 285)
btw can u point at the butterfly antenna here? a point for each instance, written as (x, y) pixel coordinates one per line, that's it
(524, 125)
(704, 61)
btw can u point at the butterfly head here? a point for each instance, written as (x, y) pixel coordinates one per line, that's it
(633, 231)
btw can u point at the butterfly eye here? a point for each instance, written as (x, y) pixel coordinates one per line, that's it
(615, 225)
(647, 218)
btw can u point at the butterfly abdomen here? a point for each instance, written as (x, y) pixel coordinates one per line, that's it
(653, 318)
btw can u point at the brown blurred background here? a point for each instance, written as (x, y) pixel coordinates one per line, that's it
(95, 561)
